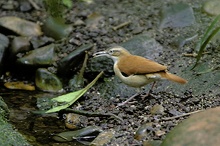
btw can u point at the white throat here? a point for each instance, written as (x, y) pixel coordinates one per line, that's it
(115, 59)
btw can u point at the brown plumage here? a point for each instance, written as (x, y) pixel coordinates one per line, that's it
(133, 65)
(139, 70)
(173, 77)
(136, 65)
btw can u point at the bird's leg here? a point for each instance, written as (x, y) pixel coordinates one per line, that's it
(129, 99)
(151, 89)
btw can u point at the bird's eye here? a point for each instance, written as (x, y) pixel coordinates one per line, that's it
(111, 51)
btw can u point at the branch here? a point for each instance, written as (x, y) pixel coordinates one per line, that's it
(185, 114)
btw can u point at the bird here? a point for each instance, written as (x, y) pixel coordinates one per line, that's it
(137, 71)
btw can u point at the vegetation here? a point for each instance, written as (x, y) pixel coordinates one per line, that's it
(70, 98)
(56, 8)
(209, 34)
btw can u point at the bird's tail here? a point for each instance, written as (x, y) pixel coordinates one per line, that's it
(174, 78)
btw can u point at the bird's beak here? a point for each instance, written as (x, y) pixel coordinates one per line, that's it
(102, 53)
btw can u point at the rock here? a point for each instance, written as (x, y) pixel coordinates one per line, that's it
(79, 22)
(144, 45)
(73, 60)
(93, 20)
(75, 41)
(103, 138)
(9, 136)
(4, 43)
(21, 26)
(174, 112)
(99, 64)
(200, 129)
(9, 5)
(19, 45)
(38, 42)
(24, 6)
(44, 56)
(92, 131)
(19, 85)
(157, 109)
(56, 28)
(137, 30)
(4, 111)
(72, 121)
(47, 81)
(143, 131)
(212, 7)
(159, 133)
(177, 15)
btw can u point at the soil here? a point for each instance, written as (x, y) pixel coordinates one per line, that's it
(144, 16)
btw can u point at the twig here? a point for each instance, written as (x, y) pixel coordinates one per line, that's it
(193, 54)
(121, 25)
(92, 114)
(186, 114)
(191, 38)
(34, 4)
(79, 78)
(190, 54)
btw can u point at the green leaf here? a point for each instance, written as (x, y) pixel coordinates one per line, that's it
(70, 98)
(67, 97)
(58, 108)
(210, 28)
(68, 3)
(214, 32)
(209, 34)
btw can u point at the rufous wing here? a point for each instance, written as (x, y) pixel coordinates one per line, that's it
(133, 64)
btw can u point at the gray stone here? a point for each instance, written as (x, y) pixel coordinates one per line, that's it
(17, 24)
(200, 129)
(177, 15)
(4, 42)
(47, 81)
(9, 136)
(19, 45)
(212, 7)
(73, 60)
(56, 28)
(44, 56)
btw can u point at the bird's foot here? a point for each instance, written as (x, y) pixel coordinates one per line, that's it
(146, 95)
(129, 99)
(150, 91)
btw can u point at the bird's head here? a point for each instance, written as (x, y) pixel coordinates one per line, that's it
(114, 53)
